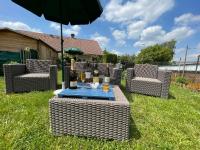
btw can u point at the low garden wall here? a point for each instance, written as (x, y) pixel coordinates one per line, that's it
(191, 76)
(192, 79)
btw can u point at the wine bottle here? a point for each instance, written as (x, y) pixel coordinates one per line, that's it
(87, 72)
(107, 75)
(95, 74)
(73, 76)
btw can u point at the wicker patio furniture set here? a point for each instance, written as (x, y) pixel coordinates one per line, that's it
(87, 117)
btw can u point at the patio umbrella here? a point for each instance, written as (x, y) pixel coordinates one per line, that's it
(73, 51)
(74, 12)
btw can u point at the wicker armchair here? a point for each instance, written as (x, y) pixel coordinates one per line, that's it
(115, 73)
(35, 75)
(147, 79)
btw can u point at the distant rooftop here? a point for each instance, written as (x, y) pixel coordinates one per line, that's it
(87, 46)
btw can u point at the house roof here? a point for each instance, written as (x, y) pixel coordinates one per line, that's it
(89, 47)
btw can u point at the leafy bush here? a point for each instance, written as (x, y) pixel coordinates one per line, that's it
(13, 62)
(126, 58)
(127, 61)
(181, 80)
(66, 60)
(109, 57)
(124, 74)
(99, 59)
(157, 54)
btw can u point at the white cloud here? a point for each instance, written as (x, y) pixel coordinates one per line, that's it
(135, 28)
(179, 33)
(136, 14)
(146, 10)
(17, 26)
(116, 52)
(155, 35)
(153, 32)
(150, 36)
(55, 26)
(119, 36)
(187, 19)
(102, 40)
(72, 30)
(67, 31)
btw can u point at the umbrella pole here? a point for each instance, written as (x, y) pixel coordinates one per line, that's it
(62, 60)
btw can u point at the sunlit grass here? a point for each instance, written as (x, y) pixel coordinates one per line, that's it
(156, 123)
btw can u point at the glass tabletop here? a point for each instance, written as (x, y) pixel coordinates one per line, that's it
(86, 91)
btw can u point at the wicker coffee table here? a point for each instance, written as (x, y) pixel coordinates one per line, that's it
(91, 117)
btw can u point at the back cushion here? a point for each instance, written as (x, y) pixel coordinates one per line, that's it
(38, 66)
(146, 70)
(80, 66)
(102, 67)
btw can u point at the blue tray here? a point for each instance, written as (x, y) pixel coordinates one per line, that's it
(88, 93)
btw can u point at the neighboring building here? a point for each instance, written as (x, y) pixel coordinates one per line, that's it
(90, 48)
(43, 46)
(14, 42)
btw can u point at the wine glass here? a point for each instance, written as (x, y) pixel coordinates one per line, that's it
(82, 77)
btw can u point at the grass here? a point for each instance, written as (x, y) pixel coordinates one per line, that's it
(156, 123)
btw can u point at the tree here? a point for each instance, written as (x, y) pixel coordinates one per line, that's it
(127, 61)
(109, 57)
(126, 58)
(157, 54)
(171, 44)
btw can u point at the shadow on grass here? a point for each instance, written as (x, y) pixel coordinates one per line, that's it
(171, 96)
(133, 130)
(130, 98)
(128, 95)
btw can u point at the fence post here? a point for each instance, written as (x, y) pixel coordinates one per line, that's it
(185, 61)
(197, 64)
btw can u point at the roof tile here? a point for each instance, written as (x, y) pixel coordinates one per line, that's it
(87, 46)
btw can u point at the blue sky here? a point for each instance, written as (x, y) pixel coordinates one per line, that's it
(125, 26)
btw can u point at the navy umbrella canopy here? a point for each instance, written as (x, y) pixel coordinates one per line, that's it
(64, 11)
(73, 51)
(74, 12)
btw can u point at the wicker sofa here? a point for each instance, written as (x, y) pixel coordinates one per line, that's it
(35, 75)
(115, 73)
(147, 79)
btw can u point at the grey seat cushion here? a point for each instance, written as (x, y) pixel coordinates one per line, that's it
(34, 75)
(31, 82)
(147, 86)
(146, 79)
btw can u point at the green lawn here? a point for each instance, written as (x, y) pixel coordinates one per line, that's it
(156, 123)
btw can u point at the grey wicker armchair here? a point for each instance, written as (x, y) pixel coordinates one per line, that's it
(35, 75)
(115, 73)
(147, 79)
